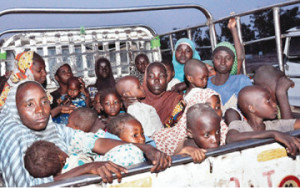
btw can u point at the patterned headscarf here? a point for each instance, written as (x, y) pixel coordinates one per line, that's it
(22, 71)
(232, 49)
(178, 67)
(168, 139)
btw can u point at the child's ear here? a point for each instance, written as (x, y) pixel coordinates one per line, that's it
(189, 78)
(251, 108)
(189, 133)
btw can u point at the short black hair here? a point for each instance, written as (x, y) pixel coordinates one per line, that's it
(116, 124)
(168, 64)
(105, 92)
(141, 55)
(72, 79)
(196, 110)
(42, 159)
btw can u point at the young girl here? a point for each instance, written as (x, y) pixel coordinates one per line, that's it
(141, 62)
(105, 77)
(171, 73)
(169, 105)
(30, 66)
(111, 104)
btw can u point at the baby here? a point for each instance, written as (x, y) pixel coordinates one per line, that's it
(130, 87)
(170, 74)
(44, 159)
(257, 105)
(82, 119)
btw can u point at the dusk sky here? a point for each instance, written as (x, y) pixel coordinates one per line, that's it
(161, 21)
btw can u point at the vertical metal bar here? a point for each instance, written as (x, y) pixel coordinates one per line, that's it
(212, 34)
(276, 17)
(189, 33)
(239, 30)
(171, 42)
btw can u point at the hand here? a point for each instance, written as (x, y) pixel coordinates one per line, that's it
(82, 86)
(292, 143)
(67, 109)
(105, 170)
(179, 87)
(231, 23)
(197, 154)
(127, 101)
(283, 84)
(159, 159)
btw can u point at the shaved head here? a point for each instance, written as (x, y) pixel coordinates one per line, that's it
(125, 84)
(194, 66)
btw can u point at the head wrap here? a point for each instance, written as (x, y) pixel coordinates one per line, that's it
(22, 71)
(209, 62)
(178, 67)
(55, 69)
(231, 50)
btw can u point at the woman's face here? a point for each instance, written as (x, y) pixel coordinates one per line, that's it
(183, 53)
(39, 71)
(103, 69)
(63, 74)
(157, 79)
(223, 62)
(33, 106)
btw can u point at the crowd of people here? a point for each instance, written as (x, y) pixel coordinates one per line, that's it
(186, 106)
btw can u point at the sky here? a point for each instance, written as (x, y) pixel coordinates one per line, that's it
(161, 21)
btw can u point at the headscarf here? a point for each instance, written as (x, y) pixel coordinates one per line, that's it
(108, 82)
(230, 47)
(178, 67)
(55, 68)
(22, 71)
(167, 140)
(13, 149)
(163, 103)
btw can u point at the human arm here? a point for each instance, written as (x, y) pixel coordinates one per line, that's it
(159, 160)
(291, 143)
(197, 154)
(179, 88)
(103, 169)
(65, 109)
(282, 87)
(240, 51)
(231, 115)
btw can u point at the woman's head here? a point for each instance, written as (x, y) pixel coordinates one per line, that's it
(224, 58)
(185, 50)
(156, 79)
(102, 68)
(110, 102)
(61, 73)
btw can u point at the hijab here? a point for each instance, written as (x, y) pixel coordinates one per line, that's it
(227, 46)
(163, 103)
(178, 67)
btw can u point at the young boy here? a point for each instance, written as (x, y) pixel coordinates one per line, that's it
(82, 119)
(141, 62)
(196, 73)
(257, 105)
(278, 84)
(76, 96)
(170, 73)
(130, 87)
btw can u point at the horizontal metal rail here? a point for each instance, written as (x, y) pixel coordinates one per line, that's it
(176, 160)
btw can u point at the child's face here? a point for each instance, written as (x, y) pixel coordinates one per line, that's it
(206, 132)
(211, 70)
(39, 71)
(265, 107)
(215, 103)
(170, 73)
(223, 61)
(156, 79)
(141, 64)
(133, 132)
(199, 79)
(33, 106)
(63, 74)
(103, 69)
(111, 105)
(137, 90)
(183, 53)
(73, 89)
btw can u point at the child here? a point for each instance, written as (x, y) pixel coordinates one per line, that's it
(111, 104)
(171, 73)
(105, 77)
(141, 62)
(257, 105)
(278, 84)
(44, 159)
(76, 95)
(96, 104)
(169, 105)
(130, 87)
(82, 119)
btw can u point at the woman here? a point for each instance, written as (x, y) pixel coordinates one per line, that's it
(29, 66)
(25, 118)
